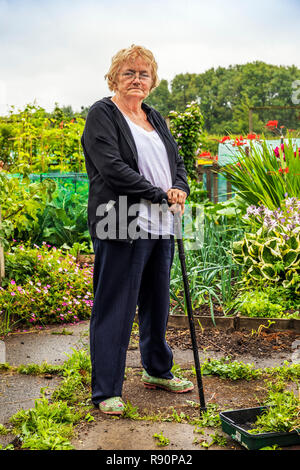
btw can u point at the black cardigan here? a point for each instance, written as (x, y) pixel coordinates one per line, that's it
(112, 163)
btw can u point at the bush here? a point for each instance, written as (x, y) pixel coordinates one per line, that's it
(186, 128)
(44, 286)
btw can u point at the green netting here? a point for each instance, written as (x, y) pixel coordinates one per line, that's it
(76, 182)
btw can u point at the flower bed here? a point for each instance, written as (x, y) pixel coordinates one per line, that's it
(43, 285)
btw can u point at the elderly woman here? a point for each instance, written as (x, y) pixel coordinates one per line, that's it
(133, 165)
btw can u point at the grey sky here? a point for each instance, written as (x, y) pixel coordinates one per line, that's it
(59, 50)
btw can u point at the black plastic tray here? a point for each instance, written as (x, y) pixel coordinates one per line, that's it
(237, 423)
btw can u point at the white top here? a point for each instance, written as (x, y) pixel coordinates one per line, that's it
(153, 163)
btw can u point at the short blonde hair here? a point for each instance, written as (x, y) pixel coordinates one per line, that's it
(131, 54)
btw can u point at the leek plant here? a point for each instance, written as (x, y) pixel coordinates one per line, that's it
(210, 269)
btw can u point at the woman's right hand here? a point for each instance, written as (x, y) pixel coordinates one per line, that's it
(176, 197)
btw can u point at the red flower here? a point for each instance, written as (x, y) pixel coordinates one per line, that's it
(226, 137)
(252, 136)
(284, 170)
(61, 125)
(272, 124)
(204, 154)
(238, 142)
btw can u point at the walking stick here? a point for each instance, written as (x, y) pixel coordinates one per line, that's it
(180, 245)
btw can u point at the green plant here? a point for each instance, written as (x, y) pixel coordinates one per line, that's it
(50, 425)
(209, 418)
(46, 426)
(3, 430)
(260, 176)
(62, 223)
(39, 369)
(131, 411)
(21, 202)
(161, 439)
(41, 142)
(272, 253)
(225, 368)
(281, 415)
(261, 327)
(255, 303)
(76, 375)
(217, 439)
(186, 128)
(286, 372)
(197, 193)
(210, 269)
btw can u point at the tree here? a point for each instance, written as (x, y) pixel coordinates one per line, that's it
(161, 99)
(225, 95)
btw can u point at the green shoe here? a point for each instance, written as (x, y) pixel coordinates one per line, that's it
(175, 385)
(112, 406)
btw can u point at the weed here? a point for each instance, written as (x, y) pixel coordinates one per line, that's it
(231, 370)
(64, 332)
(286, 371)
(3, 430)
(260, 328)
(131, 411)
(274, 447)
(209, 418)
(46, 426)
(179, 418)
(89, 418)
(161, 439)
(177, 371)
(39, 369)
(217, 439)
(281, 415)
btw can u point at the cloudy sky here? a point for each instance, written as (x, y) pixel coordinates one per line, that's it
(59, 50)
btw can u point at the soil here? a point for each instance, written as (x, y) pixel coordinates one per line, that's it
(234, 343)
(230, 342)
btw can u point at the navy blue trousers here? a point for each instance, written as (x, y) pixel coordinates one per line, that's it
(126, 276)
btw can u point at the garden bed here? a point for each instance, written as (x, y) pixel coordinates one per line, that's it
(236, 323)
(260, 343)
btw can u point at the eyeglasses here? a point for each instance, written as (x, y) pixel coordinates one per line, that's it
(130, 75)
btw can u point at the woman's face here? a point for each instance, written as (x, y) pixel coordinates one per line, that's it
(134, 80)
